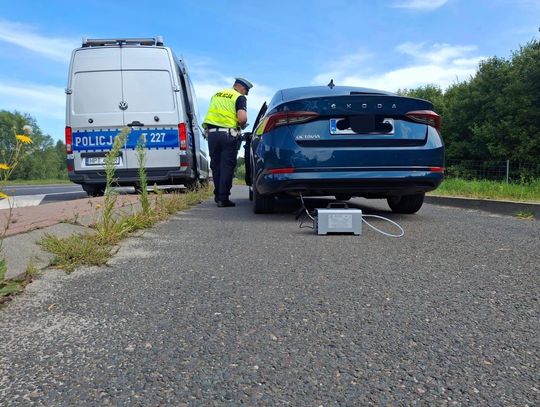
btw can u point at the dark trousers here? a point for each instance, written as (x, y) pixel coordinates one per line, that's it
(223, 150)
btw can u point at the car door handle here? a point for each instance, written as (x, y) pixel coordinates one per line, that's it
(135, 123)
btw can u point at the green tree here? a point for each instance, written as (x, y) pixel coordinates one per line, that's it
(41, 159)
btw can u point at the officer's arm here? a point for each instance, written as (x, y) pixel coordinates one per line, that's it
(241, 116)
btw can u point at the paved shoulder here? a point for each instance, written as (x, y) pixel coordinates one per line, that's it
(222, 307)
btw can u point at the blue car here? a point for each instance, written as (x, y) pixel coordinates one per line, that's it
(345, 142)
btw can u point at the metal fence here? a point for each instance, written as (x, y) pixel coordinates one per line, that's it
(508, 171)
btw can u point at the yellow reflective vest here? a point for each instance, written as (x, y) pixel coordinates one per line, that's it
(222, 110)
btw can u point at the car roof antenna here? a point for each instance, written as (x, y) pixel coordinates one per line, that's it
(331, 84)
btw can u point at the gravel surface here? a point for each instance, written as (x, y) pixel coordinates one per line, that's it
(222, 307)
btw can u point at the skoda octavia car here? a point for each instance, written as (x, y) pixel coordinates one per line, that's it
(345, 142)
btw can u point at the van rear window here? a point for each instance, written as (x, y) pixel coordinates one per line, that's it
(96, 92)
(148, 91)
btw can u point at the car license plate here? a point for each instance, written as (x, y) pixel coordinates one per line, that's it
(100, 160)
(335, 130)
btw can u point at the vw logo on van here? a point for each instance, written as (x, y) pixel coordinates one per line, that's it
(123, 105)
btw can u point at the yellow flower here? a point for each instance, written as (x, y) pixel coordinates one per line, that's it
(3, 196)
(4, 166)
(23, 138)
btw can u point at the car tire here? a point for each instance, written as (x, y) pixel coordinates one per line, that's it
(262, 203)
(343, 197)
(94, 190)
(406, 203)
(250, 194)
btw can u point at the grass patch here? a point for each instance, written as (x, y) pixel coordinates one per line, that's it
(76, 250)
(525, 215)
(481, 189)
(96, 249)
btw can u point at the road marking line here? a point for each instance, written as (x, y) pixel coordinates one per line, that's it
(21, 201)
(65, 193)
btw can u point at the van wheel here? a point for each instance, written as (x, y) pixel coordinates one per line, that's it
(94, 190)
(406, 203)
(192, 185)
(343, 197)
(262, 203)
(204, 183)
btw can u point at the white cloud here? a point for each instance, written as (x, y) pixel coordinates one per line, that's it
(33, 99)
(440, 64)
(24, 36)
(426, 5)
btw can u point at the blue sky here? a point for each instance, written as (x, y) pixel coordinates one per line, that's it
(275, 44)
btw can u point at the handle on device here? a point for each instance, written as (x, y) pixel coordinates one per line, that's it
(135, 123)
(341, 205)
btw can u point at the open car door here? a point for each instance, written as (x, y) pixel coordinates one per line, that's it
(247, 144)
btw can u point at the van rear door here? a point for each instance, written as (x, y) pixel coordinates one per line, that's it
(94, 102)
(151, 112)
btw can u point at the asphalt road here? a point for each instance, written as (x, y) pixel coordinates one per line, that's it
(222, 307)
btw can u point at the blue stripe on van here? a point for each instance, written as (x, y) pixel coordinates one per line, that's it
(102, 139)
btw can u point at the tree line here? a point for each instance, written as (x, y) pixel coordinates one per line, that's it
(495, 114)
(43, 159)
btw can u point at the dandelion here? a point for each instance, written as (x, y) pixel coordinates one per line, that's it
(4, 166)
(23, 138)
(3, 196)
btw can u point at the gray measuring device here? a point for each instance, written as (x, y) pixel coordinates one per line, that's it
(338, 218)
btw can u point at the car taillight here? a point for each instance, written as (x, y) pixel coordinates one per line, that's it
(69, 145)
(182, 136)
(286, 118)
(436, 169)
(427, 117)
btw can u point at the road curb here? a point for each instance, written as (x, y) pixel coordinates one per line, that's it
(508, 208)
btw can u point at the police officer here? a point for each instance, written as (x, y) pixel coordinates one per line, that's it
(227, 115)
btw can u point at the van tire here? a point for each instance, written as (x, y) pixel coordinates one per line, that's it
(193, 185)
(94, 190)
(262, 203)
(204, 182)
(406, 203)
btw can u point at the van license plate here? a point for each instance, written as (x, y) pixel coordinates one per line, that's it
(100, 160)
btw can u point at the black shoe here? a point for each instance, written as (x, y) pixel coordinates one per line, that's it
(225, 204)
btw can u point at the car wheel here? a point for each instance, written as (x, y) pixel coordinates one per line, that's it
(250, 194)
(343, 197)
(262, 203)
(406, 203)
(94, 190)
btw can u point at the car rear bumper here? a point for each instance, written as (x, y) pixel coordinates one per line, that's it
(131, 177)
(365, 183)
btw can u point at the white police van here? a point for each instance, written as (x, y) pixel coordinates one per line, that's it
(138, 83)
